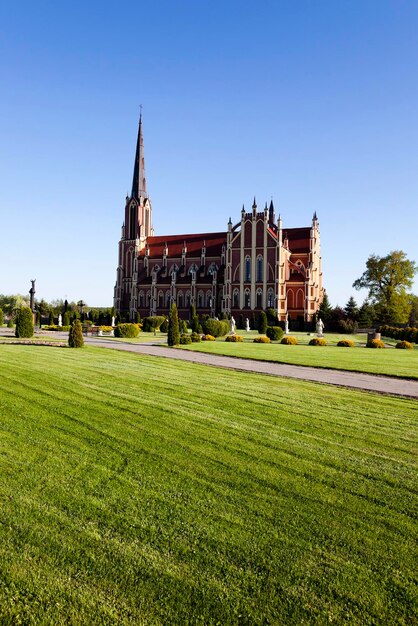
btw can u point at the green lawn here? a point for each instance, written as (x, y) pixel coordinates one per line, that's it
(389, 361)
(137, 490)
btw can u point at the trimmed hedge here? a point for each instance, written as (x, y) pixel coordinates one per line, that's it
(410, 333)
(274, 333)
(152, 322)
(317, 341)
(195, 337)
(24, 323)
(127, 330)
(262, 339)
(375, 343)
(185, 339)
(216, 328)
(234, 338)
(404, 345)
(289, 341)
(75, 336)
(346, 343)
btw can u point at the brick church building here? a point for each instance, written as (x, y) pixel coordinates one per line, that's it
(253, 265)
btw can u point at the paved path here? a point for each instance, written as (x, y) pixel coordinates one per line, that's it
(355, 380)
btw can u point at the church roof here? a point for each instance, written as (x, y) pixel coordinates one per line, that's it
(194, 243)
(298, 238)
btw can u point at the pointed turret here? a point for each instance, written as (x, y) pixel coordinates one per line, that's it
(271, 212)
(139, 186)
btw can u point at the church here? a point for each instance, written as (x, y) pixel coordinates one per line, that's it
(253, 265)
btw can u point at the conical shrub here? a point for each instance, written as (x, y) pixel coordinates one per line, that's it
(24, 322)
(75, 337)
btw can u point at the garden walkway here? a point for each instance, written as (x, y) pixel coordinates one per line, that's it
(354, 380)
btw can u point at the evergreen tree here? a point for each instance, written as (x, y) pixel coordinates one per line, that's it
(1, 317)
(192, 312)
(24, 322)
(325, 309)
(262, 323)
(51, 318)
(75, 336)
(66, 319)
(173, 335)
(351, 309)
(367, 315)
(413, 313)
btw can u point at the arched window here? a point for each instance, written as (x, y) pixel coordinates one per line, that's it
(212, 268)
(299, 299)
(133, 220)
(247, 277)
(200, 297)
(247, 299)
(259, 299)
(141, 299)
(290, 299)
(188, 298)
(208, 299)
(147, 299)
(235, 299)
(174, 268)
(180, 299)
(259, 268)
(167, 299)
(160, 299)
(270, 298)
(193, 268)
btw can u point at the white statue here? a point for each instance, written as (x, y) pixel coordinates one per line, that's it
(60, 320)
(232, 325)
(320, 328)
(247, 324)
(113, 321)
(286, 326)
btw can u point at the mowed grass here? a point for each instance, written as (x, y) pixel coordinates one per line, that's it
(388, 361)
(137, 490)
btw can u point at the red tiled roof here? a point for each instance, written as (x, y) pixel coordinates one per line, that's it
(194, 244)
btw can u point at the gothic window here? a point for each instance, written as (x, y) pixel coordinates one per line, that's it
(180, 300)
(132, 221)
(212, 268)
(188, 298)
(259, 268)
(147, 299)
(299, 299)
(235, 299)
(208, 299)
(146, 222)
(174, 268)
(193, 268)
(160, 299)
(270, 298)
(259, 295)
(141, 299)
(247, 299)
(200, 297)
(247, 276)
(167, 299)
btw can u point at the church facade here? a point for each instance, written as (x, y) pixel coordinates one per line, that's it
(253, 265)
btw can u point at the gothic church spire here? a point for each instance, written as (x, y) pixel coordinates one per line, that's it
(139, 186)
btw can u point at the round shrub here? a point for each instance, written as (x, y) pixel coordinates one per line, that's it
(208, 338)
(75, 337)
(404, 345)
(195, 337)
(185, 339)
(346, 343)
(164, 326)
(262, 339)
(375, 343)
(216, 328)
(127, 330)
(274, 333)
(234, 338)
(289, 341)
(317, 341)
(24, 322)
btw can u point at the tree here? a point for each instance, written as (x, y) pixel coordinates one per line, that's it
(387, 280)
(1, 317)
(262, 323)
(173, 335)
(413, 312)
(75, 336)
(367, 315)
(24, 322)
(325, 309)
(66, 319)
(351, 309)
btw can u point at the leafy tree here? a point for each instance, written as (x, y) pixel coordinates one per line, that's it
(325, 309)
(173, 335)
(413, 312)
(262, 323)
(367, 315)
(387, 280)
(351, 309)
(1, 317)
(75, 336)
(24, 322)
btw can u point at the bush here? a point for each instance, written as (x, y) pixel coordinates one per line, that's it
(164, 326)
(375, 343)
(234, 338)
(1, 317)
(262, 323)
(208, 338)
(10, 323)
(272, 318)
(346, 343)
(195, 324)
(404, 345)
(289, 341)
(347, 327)
(216, 328)
(173, 334)
(24, 322)
(185, 339)
(195, 337)
(106, 329)
(66, 319)
(317, 341)
(274, 333)
(127, 330)
(75, 337)
(261, 339)
(183, 327)
(153, 322)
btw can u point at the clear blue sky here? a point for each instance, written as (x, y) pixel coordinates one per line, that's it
(311, 103)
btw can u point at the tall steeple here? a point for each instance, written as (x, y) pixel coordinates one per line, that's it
(139, 186)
